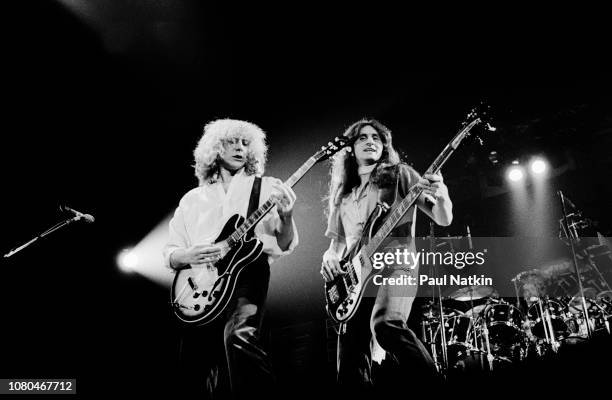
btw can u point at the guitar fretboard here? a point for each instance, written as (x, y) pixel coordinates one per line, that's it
(254, 218)
(396, 214)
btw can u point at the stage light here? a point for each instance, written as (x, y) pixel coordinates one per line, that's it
(493, 157)
(538, 166)
(515, 174)
(127, 260)
(146, 258)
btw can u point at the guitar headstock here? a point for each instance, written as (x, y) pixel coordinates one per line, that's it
(478, 116)
(332, 147)
(481, 113)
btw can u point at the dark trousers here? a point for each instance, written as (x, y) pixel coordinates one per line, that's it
(226, 359)
(383, 318)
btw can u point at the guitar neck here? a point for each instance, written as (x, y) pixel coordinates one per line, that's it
(398, 211)
(254, 218)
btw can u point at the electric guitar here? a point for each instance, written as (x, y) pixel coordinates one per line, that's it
(343, 294)
(200, 293)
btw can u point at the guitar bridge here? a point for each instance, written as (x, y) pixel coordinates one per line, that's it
(179, 305)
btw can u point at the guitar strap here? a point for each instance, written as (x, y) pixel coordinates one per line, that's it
(254, 200)
(389, 194)
(395, 192)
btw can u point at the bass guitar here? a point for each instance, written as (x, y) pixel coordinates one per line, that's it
(344, 293)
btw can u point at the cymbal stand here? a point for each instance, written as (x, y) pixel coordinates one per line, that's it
(429, 337)
(443, 344)
(516, 291)
(484, 334)
(553, 338)
(571, 240)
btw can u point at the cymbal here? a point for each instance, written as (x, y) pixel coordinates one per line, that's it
(606, 294)
(575, 303)
(532, 274)
(433, 311)
(476, 310)
(471, 293)
(447, 302)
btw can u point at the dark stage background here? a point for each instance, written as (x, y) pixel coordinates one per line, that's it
(104, 103)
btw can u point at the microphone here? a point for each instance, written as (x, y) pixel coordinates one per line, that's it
(87, 217)
(469, 236)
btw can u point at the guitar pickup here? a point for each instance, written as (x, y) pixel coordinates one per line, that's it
(192, 284)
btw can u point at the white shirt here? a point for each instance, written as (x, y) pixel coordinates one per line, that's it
(203, 212)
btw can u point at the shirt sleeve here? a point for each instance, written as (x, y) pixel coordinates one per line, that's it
(335, 229)
(177, 235)
(266, 229)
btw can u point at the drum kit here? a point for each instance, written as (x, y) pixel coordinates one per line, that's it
(565, 303)
(494, 332)
(488, 333)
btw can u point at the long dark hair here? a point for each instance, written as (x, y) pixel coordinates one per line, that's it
(344, 176)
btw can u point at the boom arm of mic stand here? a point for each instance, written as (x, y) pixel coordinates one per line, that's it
(42, 235)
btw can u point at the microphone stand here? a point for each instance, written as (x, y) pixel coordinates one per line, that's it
(43, 234)
(578, 278)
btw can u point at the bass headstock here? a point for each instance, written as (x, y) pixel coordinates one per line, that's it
(332, 147)
(476, 123)
(484, 117)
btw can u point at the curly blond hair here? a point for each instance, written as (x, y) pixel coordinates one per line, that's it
(210, 147)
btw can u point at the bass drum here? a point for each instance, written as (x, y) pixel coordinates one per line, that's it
(504, 323)
(459, 333)
(556, 310)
